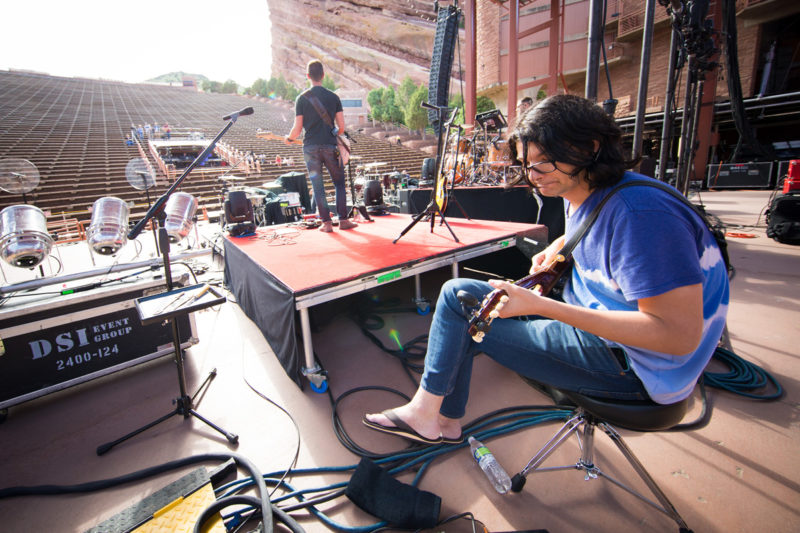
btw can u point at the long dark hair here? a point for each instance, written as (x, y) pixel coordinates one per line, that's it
(565, 128)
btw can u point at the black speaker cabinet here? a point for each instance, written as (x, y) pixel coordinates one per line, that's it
(740, 176)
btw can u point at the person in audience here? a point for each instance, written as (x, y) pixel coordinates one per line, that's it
(319, 143)
(524, 104)
(644, 306)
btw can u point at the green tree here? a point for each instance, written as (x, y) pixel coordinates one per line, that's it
(484, 103)
(417, 116)
(374, 98)
(211, 86)
(259, 87)
(391, 111)
(281, 86)
(229, 87)
(292, 92)
(328, 83)
(405, 91)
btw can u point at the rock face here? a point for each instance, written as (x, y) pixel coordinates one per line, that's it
(363, 44)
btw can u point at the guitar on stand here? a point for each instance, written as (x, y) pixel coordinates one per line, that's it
(441, 195)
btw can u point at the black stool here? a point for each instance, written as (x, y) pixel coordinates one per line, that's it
(593, 412)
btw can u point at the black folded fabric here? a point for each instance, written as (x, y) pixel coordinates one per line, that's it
(372, 489)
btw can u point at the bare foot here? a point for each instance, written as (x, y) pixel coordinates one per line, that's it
(426, 428)
(450, 428)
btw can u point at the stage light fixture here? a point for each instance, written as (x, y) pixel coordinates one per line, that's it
(239, 216)
(180, 212)
(24, 239)
(108, 230)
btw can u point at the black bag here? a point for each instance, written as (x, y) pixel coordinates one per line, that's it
(783, 219)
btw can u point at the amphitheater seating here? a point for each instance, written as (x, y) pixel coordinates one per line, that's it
(74, 130)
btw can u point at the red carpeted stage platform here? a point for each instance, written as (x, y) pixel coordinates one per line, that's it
(281, 269)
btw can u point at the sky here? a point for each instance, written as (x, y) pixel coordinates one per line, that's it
(137, 40)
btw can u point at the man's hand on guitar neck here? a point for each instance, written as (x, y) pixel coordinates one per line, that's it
(546, 256)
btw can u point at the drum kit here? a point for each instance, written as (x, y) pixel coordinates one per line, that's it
(482, 158)
(25, 241)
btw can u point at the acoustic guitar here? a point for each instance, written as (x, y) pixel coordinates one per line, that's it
(541, 281)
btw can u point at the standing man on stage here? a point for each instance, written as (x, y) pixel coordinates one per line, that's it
(315, 112)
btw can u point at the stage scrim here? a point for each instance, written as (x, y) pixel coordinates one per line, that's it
(271, 282)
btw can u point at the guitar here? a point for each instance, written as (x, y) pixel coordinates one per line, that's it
(445, 173)
(268, 135)
(343, 144)
(341, 141)
(541, 281)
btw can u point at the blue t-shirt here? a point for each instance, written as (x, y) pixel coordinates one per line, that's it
(645, 243)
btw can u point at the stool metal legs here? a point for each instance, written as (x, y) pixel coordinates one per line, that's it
(581, 419)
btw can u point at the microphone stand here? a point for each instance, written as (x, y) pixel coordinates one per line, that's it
(184, 403)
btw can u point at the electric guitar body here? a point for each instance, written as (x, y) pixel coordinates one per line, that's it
(542, 280)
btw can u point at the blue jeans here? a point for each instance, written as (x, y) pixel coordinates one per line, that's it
(544, 350)
(315, 156)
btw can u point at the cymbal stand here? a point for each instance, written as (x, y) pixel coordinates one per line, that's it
(357, 206)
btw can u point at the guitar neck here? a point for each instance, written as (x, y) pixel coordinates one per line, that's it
(546, 276)
(272, 137)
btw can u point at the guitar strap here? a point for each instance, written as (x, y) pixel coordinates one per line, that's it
(573, 241)
(321, 111)
(326, 118)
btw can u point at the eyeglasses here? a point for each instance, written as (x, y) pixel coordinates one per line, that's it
(542, 167)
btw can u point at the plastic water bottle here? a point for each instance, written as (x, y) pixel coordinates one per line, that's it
(496, 474)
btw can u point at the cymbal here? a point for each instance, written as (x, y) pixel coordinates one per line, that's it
(230, 178)
(375, 164)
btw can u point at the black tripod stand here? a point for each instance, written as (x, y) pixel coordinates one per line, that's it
(171, 305)
(440, 194)
(178, 303)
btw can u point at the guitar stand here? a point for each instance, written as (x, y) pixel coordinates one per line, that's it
(433, 208)
(170, 306)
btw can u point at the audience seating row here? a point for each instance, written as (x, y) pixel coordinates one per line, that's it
(75, 131)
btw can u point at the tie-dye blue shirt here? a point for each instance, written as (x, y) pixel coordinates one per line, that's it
(645, 243)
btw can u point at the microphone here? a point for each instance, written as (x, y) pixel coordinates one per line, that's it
(349, 138)
(240, 113)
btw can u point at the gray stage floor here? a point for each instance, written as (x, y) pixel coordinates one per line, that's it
(738, 474)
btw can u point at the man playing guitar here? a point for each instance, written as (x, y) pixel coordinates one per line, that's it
(642, 311)
(313, 110)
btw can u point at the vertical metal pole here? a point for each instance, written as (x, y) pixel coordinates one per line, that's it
(593, 50)
(644, 75)
(470, 35)
(690, 151)
(666, 127)
(513, 53)
(685, 149)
